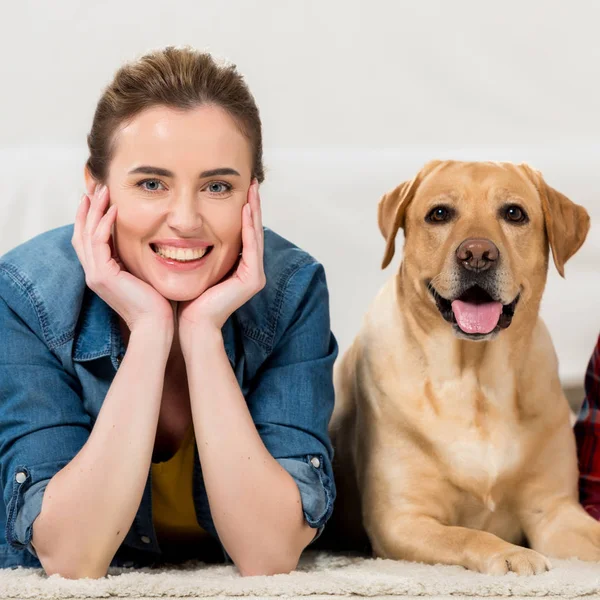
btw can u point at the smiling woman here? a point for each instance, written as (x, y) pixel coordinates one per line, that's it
(167, 365)
(179, 197)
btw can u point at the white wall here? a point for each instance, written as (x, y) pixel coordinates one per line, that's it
(354, 96)
(326, 73)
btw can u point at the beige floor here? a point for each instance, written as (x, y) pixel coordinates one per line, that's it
(320, 575)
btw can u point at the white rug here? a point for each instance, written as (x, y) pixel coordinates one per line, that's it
(320, 576)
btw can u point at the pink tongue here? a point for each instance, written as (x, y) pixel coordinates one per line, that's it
(477, 318)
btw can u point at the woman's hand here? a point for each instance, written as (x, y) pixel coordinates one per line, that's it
(213, 307)
(135, 301)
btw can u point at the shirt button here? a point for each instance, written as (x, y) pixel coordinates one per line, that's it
(315, 462)
(21, 477)
(145, 539)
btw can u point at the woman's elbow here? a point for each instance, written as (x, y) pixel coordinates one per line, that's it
(254, 568)
(69, 570)
(281, 558)
(273, 564)
(71, 573)
(71, 567)
(64, 556)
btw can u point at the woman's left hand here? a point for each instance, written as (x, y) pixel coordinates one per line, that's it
(213, 307)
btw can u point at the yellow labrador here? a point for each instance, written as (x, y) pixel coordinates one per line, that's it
(452, 435)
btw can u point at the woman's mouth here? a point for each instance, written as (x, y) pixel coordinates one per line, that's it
(181, 259)
(183, 255)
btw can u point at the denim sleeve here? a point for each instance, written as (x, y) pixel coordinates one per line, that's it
(42, 421)
(292, 397)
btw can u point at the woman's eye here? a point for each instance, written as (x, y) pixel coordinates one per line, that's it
(218, 188)
(150, 185)
(440, 214)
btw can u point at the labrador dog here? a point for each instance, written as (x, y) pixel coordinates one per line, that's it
(452, 436)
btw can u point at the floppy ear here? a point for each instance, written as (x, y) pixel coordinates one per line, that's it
(567, 224)
(392, 208)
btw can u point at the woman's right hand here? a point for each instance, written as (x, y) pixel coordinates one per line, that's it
(137, 302)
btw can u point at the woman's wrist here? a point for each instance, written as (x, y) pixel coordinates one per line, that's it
(155, 337)
(201, 338)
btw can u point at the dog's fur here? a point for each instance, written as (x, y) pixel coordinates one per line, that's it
(455, 448)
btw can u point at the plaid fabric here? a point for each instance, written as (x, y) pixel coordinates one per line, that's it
(587, 434)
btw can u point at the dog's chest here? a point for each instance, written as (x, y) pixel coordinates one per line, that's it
(476, 434)
(476, 463)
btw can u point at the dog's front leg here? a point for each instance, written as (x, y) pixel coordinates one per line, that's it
(547, 503)
(563, 530)
(422, 538)
(554, 521)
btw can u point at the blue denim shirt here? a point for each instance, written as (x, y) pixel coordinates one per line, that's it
(61, 347)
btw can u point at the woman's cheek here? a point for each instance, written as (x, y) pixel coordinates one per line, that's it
(229, 225)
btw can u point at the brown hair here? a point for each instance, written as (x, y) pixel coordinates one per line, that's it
(181, 78)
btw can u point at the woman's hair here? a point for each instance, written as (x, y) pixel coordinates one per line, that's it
(181, 78)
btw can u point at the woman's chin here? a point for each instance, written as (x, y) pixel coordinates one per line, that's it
(180, 295)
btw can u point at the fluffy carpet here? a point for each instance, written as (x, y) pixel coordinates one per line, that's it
(320, 575)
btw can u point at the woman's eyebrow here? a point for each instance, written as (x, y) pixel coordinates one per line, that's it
(220, 171)
(148, 170)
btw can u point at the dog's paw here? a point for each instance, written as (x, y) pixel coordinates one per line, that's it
(521, 561)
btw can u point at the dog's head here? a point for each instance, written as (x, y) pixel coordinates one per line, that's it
(477, 237)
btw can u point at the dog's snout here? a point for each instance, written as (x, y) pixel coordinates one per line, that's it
(477, 254)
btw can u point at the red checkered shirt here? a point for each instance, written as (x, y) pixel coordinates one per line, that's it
(587, 433)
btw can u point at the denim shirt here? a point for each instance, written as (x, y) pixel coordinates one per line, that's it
(61, 347)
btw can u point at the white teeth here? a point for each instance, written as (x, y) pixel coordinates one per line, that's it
(181, 254)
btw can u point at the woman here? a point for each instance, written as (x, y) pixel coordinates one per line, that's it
(166, 366)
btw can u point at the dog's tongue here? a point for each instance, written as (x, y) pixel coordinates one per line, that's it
(477, 318)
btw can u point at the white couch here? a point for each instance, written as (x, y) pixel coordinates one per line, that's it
(325, 200)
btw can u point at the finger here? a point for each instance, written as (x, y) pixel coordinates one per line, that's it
(100, 240)
(249, 242)
(103, 230)
(113, 250)
(257, 215)
(97, 209)
(80, 218)
(251, 257)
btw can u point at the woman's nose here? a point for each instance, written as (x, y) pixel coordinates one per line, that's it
(184, 212)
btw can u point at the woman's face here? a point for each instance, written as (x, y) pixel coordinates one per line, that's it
(179, 180)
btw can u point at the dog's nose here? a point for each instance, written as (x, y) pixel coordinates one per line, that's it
(477, 254)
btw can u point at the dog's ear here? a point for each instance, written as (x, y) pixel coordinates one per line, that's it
(567, 224)
(392, 208)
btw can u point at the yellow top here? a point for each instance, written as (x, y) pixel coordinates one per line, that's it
(173, 510)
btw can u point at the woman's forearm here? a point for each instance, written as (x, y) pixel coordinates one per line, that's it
(255, 503)
(89, 505)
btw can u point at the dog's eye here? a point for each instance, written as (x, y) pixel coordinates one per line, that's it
(515, 214)
(440, 214)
